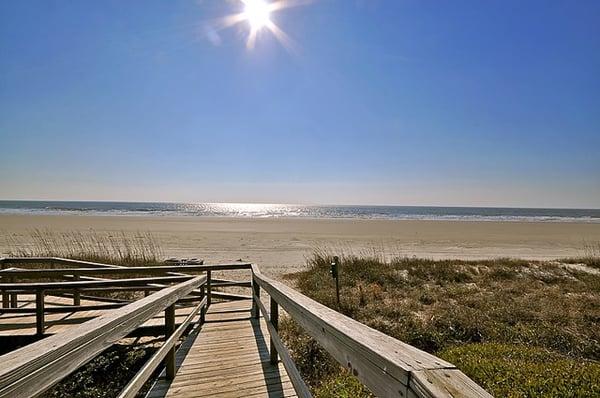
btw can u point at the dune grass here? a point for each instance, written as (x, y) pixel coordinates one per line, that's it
(128, 249)
(465, 311)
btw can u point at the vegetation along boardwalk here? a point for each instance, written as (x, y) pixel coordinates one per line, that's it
(229, 344)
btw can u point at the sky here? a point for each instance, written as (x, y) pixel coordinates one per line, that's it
(408, 102)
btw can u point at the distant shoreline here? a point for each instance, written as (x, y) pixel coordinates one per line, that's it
(286, 211)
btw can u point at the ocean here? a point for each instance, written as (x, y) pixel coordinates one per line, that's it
(251, 210)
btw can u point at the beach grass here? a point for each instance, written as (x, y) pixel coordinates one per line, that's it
(119, 248)
(484, 316)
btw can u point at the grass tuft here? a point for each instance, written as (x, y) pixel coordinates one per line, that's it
(131, 249)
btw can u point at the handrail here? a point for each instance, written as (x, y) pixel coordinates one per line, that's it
(32, 369)
(89, 284)
(388, 367)
(104, 269)
(135, 384)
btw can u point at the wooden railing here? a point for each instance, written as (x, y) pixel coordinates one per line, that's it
(388, 367)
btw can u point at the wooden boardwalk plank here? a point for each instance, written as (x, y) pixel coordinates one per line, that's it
(228, 357)
(24, 324)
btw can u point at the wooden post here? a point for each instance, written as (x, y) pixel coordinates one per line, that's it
(146, 293)
(169, 330)
(5, 296)
(256, 290)
(5, 301)
(39, 312)
(203, 309)
(208, 288)
(13, 296)
(76, 293)
(275, 322)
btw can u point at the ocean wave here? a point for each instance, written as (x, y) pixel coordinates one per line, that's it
(242, 210)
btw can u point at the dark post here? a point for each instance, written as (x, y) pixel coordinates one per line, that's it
(5, 303)
(256, 290)
(335, 274)
(13, 296)
(208, 289)
(169, 330)
(275, 323)
(76, 293)
(39, 312)
(203, 309)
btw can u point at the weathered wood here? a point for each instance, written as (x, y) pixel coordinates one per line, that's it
(169, 330)
(381, 362)
(89, 284)
(256, 293)
(135, 384)
(39, 312)
(220, 362)
(274, 320)
(230, 296)
(295, 377)
(231, 284)
(32, 369)
(208, 288)
(76, 293)
(106, 269)
(65, 309)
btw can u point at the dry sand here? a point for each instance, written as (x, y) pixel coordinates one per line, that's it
(281, 245)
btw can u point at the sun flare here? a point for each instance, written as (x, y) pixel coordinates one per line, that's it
(257, 13)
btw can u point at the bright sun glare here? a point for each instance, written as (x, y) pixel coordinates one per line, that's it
(257, 13)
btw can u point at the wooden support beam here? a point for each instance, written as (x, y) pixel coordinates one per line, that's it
(137, 382)
(208, 288)
(274, 319)
(256, 292)
(39, 312)
(169, 330)
(76, 293)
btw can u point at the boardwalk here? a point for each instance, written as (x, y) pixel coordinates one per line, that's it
(227, 357)
(225, 349)
(24, 324)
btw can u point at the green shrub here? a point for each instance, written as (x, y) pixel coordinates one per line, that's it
(507, 370)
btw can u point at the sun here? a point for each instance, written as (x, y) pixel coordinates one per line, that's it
(257, 13)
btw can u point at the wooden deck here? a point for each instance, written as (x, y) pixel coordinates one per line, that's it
(227, 357)
(24, 324)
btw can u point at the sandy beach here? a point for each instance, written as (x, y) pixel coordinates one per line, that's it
(281, 245)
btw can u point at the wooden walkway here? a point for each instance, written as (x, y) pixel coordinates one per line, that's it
(227, 357)
(24, 324)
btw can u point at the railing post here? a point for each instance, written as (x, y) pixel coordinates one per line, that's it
(76, 293)
(39, 312)
(203, 309)
(208, 289)
(256, 291)
(13, 296)
(274, 319)
(169, 330)
(5, 296)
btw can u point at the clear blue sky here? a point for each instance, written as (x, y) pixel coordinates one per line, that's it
(388, 102)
